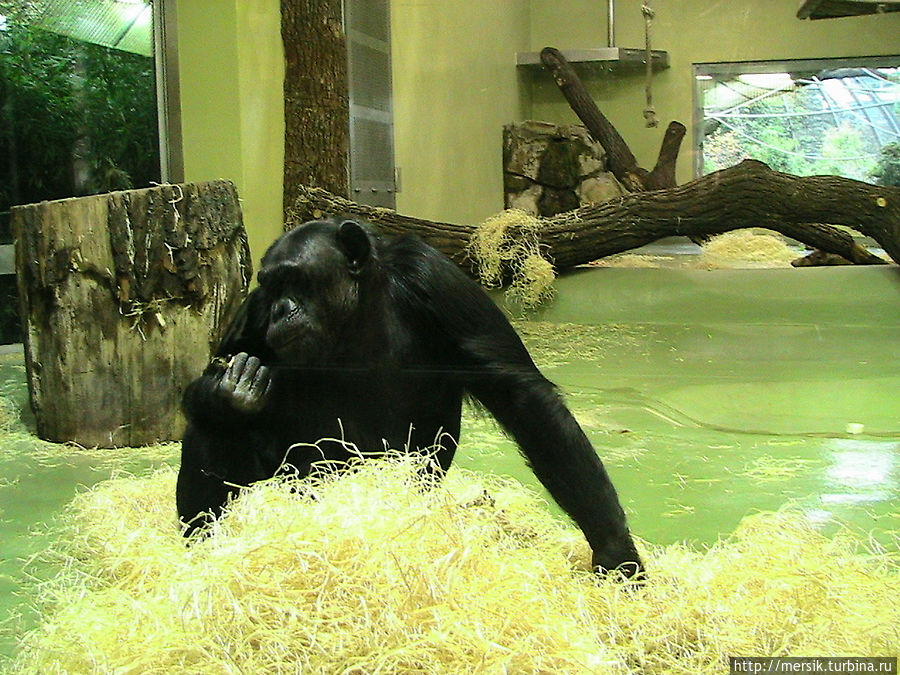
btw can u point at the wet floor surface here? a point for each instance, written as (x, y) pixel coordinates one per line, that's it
(709, 395)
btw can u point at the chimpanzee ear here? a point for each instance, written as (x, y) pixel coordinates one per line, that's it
(354, 242)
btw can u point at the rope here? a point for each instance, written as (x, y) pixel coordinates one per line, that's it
(649, 111)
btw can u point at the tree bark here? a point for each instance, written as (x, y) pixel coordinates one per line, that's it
(749, 194)
(663, 174)
(316, 98)
(122, 298)
(621, 161)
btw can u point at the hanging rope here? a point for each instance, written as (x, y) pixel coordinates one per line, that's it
(649, 111)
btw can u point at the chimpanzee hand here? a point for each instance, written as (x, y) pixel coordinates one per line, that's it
(245, 384)
(621, 556)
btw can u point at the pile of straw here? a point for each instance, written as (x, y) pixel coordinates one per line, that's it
(372, 573)
(746, 248)
(508, 244)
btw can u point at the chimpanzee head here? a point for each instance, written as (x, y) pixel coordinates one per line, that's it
(312, 279)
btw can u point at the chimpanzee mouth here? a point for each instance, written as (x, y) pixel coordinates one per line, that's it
(285, 339)
(293, 345)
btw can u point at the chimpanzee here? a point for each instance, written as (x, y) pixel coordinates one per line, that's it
(374, 340)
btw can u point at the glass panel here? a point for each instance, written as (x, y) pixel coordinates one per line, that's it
(826, 117)
(78, 108)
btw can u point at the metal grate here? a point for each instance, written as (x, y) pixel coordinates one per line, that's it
(371, 105)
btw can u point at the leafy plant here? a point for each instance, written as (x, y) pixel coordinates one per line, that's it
(887, 169)
(75, 118)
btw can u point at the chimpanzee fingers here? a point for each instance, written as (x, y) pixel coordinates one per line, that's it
(251, 386)
(245, 383)
(258, 387)
(232, 374)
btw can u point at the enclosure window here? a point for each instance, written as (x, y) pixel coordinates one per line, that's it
(826, 116)
(82, 107)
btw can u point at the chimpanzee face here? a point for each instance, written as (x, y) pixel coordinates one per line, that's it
(310, 278)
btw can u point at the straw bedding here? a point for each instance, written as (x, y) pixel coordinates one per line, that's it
(376, 573)
(748, 249)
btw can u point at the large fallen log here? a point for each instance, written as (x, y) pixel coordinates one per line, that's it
(748, 194)
(622, 161)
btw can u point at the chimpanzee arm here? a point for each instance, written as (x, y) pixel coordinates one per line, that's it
(561, 456)
(487, 355)
(221, 446)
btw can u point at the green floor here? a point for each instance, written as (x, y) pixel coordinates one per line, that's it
(708, 394)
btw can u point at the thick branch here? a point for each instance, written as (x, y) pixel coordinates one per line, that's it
(313, 203)
(620, 159)
(663, 174)
(747, 195)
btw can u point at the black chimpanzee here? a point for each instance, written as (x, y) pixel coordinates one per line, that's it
(375, 340)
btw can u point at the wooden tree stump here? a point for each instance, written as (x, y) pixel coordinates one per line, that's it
(122, 297)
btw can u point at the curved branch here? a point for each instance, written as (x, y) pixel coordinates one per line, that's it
(749, 194)
(620, 159)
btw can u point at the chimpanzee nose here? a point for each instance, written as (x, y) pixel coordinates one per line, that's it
(282, 308)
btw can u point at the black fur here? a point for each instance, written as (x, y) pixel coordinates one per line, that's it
(376, 340)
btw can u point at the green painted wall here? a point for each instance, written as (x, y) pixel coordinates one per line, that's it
(455, 86)
(692, 31)
(231, 66)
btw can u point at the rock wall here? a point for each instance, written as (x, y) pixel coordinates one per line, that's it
(551, 168)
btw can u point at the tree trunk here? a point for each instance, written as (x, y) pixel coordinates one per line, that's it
(749, 194)
(316, 99)
(122, 297)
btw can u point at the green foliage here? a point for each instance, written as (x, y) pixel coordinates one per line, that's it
(887, 170)
(795, 132)
(38, 127)
(844, 153)
(75, 118)
(722, 150)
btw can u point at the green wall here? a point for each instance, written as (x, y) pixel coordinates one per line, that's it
(691, 31)
(456, 85)
(231, 66)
